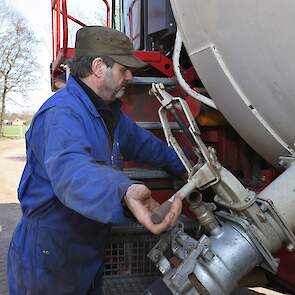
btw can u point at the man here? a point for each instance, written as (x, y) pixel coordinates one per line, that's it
(72, 189)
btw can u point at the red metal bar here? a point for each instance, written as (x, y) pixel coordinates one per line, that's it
(148, 56)
(60, 51)
(65, 26)
(57, 22)
(108, 13)
(59, 9)
(157, 60)
(74, 19)
(61, 57)
(130, 16)
(52, 31)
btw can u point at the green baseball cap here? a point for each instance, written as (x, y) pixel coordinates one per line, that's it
(102, 41)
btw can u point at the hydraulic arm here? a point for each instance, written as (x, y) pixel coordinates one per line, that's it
(242, 228)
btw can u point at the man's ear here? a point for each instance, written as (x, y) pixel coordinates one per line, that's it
(98, 67)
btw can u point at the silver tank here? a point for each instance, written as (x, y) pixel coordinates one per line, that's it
(244, 53)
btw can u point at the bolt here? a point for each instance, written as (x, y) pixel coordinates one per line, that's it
(290, 247)
(156, 257)
(207, 254)
(261, 216)
(190, 246)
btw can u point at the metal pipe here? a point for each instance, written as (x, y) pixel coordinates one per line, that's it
(222, 273)
(176, 54)
(217, 263)
(204, 215)
(282, 193)
(113, 14)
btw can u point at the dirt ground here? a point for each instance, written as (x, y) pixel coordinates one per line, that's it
(12, 161)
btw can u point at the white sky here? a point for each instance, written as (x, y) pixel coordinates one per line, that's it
(38, 15)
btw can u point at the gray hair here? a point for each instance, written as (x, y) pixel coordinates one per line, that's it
(81, 66)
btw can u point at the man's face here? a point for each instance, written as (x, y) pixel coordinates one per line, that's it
(115, 81)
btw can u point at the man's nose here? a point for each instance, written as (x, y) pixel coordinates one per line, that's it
(128, 75)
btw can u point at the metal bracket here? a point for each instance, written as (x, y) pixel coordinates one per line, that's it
(286, 161)
(185, 248)
(239, 206)
(267, 205)
(207, 159)
(161, 246)
(188, 265)
(271, 264)
(182, 244)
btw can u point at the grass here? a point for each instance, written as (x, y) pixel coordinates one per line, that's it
(14, 131)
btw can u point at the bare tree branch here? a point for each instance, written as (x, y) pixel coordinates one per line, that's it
(18, 67)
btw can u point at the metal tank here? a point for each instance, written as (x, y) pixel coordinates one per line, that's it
(244, 53)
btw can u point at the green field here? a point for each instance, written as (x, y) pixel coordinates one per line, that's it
(14, 131)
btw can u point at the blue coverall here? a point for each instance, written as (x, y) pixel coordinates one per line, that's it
(71, 191)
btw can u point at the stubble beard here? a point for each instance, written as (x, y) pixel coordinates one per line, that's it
(119, 93)
(115, 92)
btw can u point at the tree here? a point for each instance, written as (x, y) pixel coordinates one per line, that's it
(18, 67)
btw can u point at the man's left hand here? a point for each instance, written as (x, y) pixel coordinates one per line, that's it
(140, 202)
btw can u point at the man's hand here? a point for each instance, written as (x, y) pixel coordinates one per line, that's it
(140, 202)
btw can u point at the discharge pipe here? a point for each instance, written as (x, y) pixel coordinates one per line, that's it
(282, 193)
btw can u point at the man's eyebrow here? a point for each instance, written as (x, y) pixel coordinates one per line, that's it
(125, 69)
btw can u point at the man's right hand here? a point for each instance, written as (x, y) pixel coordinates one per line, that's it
(140, 202)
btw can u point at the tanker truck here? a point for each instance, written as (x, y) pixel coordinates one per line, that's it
(220, 77)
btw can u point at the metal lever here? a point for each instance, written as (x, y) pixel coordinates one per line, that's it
(202, 179)
(159, 213)
(204, 176)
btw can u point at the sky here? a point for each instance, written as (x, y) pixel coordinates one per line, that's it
(38, 15)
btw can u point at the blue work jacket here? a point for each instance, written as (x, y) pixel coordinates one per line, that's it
(71, 191)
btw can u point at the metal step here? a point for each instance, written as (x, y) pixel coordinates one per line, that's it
(139, 173)
(157, 125)
(150, 80)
